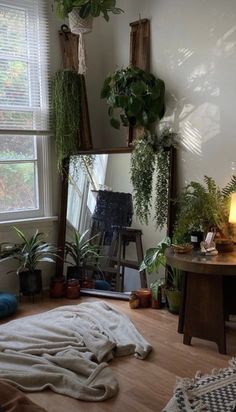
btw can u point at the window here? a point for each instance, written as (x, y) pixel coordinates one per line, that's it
(83, 185)
(24, 108)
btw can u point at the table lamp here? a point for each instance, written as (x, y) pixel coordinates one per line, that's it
(232, 213)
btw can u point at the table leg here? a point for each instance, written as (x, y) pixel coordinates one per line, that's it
(204, 309)
(182, 305)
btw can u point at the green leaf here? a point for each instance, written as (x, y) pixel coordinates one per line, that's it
(135, 105)
(95, 9)
(115, 123)
(109, 4)
(85, 10)
(139, 88)
(125, 120)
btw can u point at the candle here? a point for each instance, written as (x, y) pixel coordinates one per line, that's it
(144, 297)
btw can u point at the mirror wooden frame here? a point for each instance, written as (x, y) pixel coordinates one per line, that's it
(63, 212)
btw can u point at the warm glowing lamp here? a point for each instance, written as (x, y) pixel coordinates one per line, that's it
(232, 213)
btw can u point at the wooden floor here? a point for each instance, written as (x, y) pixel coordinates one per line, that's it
(144, 385)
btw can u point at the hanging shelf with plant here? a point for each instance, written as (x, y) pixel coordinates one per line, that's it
(136, 99)
(81, 14)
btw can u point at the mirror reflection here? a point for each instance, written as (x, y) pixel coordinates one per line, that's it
(104, 241)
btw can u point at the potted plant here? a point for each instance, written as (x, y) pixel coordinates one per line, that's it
(150, 156)
(66, 99)
(154, 259)
(80, 250)
(86, 8)
(29, 253)
(203, 206)
(136, 95)
(137, 99)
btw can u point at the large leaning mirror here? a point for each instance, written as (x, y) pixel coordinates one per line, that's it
(100, 204)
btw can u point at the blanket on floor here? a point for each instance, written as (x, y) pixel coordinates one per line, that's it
(66, 350)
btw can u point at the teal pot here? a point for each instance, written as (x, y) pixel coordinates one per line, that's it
(30, 282)
(174, 300)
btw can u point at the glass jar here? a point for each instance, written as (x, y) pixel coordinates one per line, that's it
(144, 297)
(134, 300)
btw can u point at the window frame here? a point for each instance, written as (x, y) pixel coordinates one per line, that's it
(42, 137)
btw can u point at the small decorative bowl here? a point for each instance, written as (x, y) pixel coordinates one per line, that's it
(185, 248)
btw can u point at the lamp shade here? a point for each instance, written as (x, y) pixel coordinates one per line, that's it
(232, 214)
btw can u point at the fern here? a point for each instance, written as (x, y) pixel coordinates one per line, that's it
(203, 206)
(230, 187)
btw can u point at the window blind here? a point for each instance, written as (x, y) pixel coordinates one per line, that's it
(24, 65)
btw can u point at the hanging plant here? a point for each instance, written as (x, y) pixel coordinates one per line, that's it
(142, 169)
(93, 8)
(66, 113)
(137, 96)
(152, 154)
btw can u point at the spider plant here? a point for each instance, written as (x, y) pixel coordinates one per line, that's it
(29, 253)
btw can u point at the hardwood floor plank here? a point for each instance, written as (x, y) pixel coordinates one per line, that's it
(147, 385)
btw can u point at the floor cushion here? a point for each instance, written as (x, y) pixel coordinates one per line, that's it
(8, 304)
(102, 285)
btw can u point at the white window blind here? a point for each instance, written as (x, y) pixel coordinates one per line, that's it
(24, 65)
(24, 109)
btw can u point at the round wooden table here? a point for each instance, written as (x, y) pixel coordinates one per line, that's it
(208, 294)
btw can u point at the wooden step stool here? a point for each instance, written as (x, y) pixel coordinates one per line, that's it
(121, 238)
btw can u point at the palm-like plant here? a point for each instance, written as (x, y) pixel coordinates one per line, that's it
(81, 249)
(30, 252)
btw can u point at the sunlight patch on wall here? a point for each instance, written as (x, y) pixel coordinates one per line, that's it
(196, 133)
(225, 45)
(184, 55)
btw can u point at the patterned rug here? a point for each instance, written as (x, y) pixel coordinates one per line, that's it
(209, 393)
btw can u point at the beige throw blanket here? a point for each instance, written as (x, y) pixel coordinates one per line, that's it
(65, 349)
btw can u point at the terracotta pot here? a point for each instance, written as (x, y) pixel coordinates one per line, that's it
(73, 289)
(88, 284)
(57, 288)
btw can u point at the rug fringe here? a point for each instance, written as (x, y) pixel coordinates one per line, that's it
(232, 363)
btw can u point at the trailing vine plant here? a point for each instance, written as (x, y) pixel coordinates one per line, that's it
(66, 99)
(142, 169)
(150, 154)
(137, 99)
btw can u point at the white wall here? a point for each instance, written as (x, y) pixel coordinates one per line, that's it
(193, 49)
